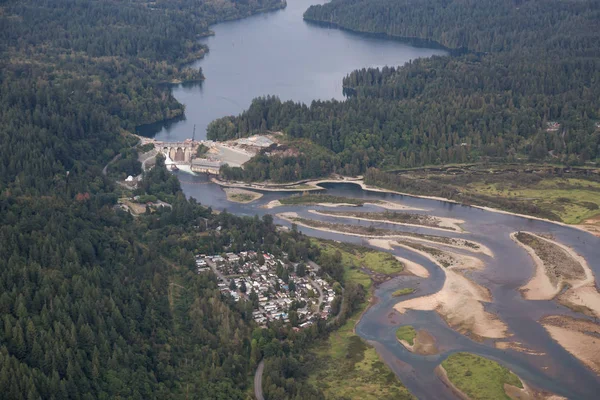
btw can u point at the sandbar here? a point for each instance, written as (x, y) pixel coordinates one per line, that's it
(579, 337)
(457, 243)
(243, 196)
(548, 280)
(424, 344)
(445, 223)
(460, 301)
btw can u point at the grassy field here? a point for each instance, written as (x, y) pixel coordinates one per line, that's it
(408, 333)
(403, 292)
(572, 200)
(547, 191)
(346, 366)
(356, 257)
(478, 377)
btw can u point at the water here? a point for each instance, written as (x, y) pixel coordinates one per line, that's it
(279, 54)
(556, 370)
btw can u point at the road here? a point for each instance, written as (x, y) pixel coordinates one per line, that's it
(145, 157)
(316, 285)
(105, 169)
(258, 392)
(213, 266)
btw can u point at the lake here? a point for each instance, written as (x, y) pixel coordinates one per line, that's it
(275, 53)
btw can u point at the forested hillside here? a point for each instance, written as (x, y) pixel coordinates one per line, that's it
(94, 303)
(530, 64)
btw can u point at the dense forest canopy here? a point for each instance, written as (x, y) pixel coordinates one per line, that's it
(97, 304)
(530, 64)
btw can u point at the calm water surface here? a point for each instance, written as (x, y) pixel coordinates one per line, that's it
(278, 54)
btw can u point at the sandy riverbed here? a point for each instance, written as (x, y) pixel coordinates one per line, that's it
(461, 244)
(460, 301)
(581, 294)
(444, 223)
(517, 346)
(424, 344)
(579, 337)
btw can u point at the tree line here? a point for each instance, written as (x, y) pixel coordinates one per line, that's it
(528, 64)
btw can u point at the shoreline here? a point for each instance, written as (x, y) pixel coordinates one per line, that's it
(450, 222)
(360, 182)
(289, 217)
(424, 344)
(460, 300)
(233, 193)
(441, 373)
(577, 336)
(581, 294)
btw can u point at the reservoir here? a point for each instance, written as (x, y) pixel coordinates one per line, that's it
(280, 54)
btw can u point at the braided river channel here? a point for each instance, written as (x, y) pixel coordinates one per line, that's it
(279, 54)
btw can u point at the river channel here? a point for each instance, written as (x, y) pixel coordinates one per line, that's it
(279, 54)
(555, 370)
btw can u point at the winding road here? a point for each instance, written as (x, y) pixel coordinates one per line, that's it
(258, 392)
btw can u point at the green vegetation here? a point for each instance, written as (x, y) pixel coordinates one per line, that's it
(292, 160)
(145, 147)
(513, 91)
(242, 197)
(202, 150)
(407, 333)
(351, 258)
(571, 200)
(478, 377)
(346, 367)
(558, 264)
(403, 292)
(312, 199)
(567, 195)
(400, 217)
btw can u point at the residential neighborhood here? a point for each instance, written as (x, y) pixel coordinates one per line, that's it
(279, 289)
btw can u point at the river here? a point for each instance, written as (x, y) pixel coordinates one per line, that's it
(278, 53)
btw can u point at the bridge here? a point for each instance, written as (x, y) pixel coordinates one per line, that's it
(178, 152)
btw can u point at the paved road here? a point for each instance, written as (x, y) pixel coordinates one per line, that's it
(258, 392)
(316, 285)
(145, 157)
(105, 169)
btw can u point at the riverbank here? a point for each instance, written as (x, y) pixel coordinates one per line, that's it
(417, 220)
(579, 337)
(460, 301)
(556, 267)
(593, 227)
(344, 364)
(417, 341)
(241, 195)
(375, 233)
